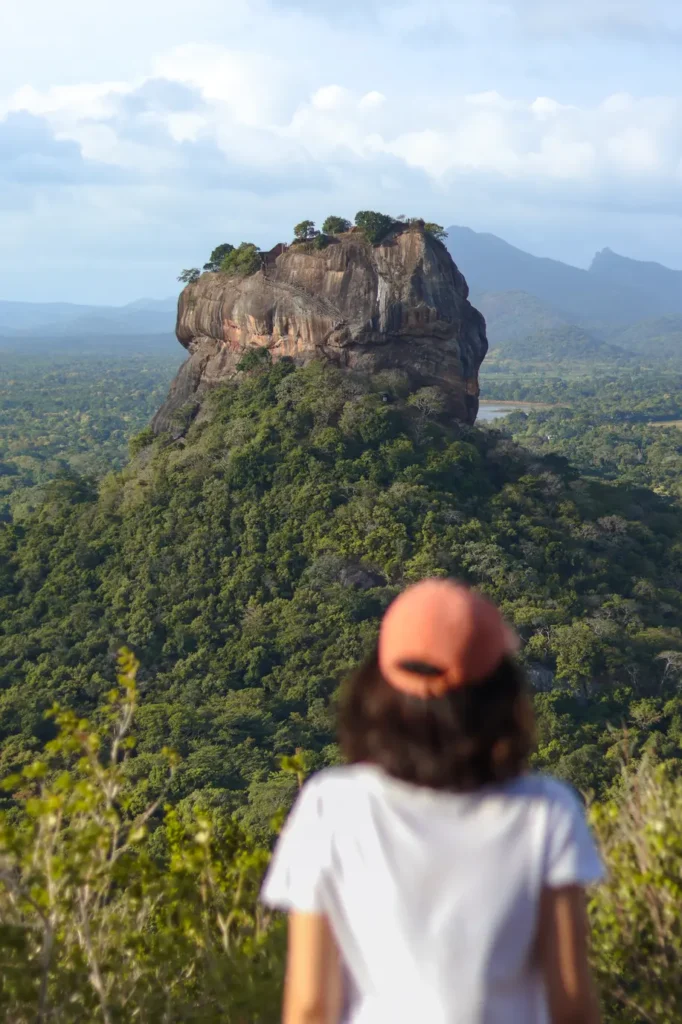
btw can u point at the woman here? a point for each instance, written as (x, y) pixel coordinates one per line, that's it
(432, 879)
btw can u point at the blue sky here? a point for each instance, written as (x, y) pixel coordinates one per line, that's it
(136, 135)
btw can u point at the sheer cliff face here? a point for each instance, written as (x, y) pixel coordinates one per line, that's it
(402, 304)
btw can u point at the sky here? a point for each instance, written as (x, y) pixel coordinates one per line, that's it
(137, 135)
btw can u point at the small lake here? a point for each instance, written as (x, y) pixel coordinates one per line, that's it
(490, 411)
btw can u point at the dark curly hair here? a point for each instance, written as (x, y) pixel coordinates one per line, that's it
(475, 735)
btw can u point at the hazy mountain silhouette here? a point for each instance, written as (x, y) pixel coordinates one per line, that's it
(662, 285)
(614, 291)
(563, 344)
(512, 316)
(57, 319)
(660, 338)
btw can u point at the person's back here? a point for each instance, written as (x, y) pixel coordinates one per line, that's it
(424, 874)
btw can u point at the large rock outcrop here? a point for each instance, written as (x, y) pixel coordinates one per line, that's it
(402, 304)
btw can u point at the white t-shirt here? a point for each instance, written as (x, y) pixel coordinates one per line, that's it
(432, 896)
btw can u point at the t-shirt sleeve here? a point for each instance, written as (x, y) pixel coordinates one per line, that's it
(571, 855)
(298, 872)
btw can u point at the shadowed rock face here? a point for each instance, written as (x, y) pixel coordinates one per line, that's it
(402, 305)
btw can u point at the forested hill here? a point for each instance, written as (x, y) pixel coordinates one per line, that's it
(248, 563)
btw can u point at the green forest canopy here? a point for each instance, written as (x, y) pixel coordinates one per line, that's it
(73, 412)
(248, 568)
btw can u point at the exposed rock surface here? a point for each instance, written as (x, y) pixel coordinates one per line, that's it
(402, 304)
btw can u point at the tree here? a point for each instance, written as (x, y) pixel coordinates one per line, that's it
(217, 257)
(305, 231)
(374, 226)
(430, 403)
(254, 359)
(577, 649)
(141, 441)
(242, 261)
(184, 414)
(190, 276)
(335, 225)
(437, 230)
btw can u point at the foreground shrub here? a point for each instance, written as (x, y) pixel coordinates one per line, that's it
(111, 913)
(636, 915)
(108, 916)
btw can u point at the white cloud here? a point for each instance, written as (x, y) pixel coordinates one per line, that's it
(211, 97)
(545, 107)
(247, 84)
(240, 116)
(635, 148)
(491, 100)
(372, 100)
(563, 158)
(331, 97)
(76, 101)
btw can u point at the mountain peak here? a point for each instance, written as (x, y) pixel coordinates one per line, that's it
(614, 291)
(660, 285)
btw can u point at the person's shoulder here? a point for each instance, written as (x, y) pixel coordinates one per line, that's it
(338, 779)
(549, 789)
(337, 787)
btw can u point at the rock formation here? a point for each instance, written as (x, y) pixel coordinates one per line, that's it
(402, 304)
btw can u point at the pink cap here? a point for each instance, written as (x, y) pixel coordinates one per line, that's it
(443, 624)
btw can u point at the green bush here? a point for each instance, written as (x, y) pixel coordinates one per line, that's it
(217, 256)
(636, 919)
(437, 230)
(254, 359)
(190, 276)
(305, 231)
(141, 441)
(335, 226)
(183, 416)
(242, 261)
(374, 226)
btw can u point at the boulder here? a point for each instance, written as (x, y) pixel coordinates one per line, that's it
(401, 304)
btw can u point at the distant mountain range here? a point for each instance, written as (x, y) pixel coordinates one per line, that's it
(619, 306)
(615, 289)
(661, 335)
(555, 346)
(63, 319)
